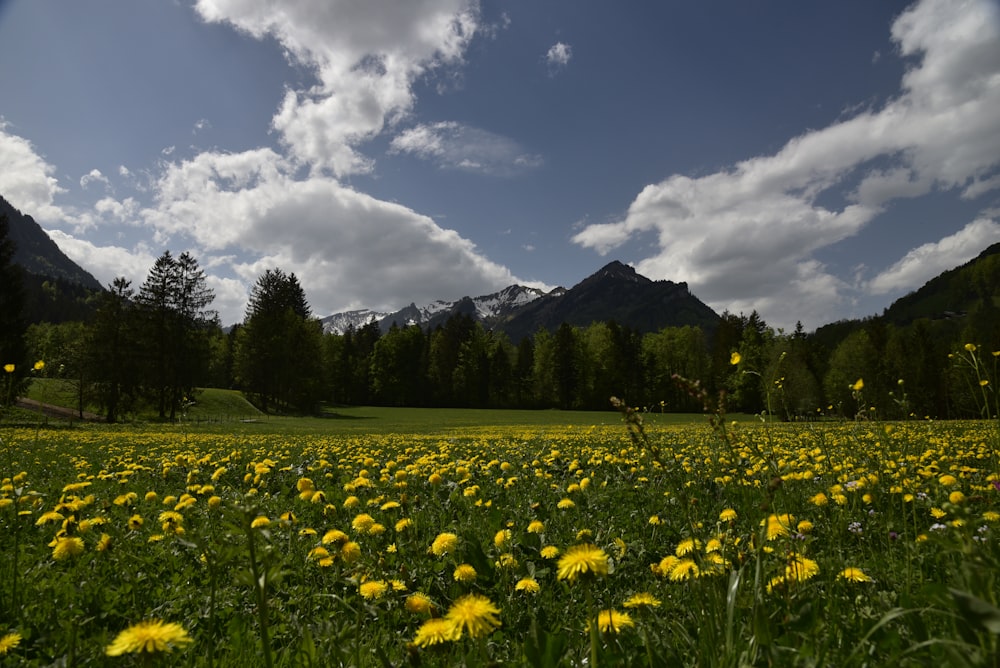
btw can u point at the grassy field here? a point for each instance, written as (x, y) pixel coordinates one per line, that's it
(440, 538)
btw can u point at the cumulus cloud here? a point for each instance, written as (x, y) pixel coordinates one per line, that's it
(106, 263)
(94, 176)
(456, 146)
(745, 237)
(348, 248)
(26, 179)
(927, 261)
(558, 56)
(366, 57)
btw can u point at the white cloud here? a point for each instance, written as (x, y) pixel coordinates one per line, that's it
(106, 263)
(26, 179)
(366, 57)
(558, 56)
(457, 146)
(348, 248)
(94, 176)
(744, 237)
(927, 261)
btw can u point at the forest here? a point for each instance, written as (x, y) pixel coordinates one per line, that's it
(152, 347)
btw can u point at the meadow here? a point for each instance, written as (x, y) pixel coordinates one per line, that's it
(441, 538)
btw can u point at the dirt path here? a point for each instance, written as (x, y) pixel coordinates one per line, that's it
(58, 411)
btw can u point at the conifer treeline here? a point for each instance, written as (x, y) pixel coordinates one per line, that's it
(155, 346)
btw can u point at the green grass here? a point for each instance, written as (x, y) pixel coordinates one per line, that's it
(226, 407)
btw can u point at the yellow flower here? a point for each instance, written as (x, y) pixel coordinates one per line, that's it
(684, 569)
(778, 525)
(350, 552)
(9, 368)
(536, 527)
(565, 504)
(582, 559)
(104, 543)
(956, 497)
(858, 385)
(612, 621)
(642, 600)
(852, 574)
(335, 536)
(465, 573)
(474, 614)
(436, 631)
(800, 568)
(947, 480)
(148, 637)
(727, 515)
(735, 358)
(67, 548)
(984, 382)
(362, 523)
(259, 522)
(527, 585)
(549, 552)
(39, 365)
(970, 347)
(805, 526)
(419, 603)
(9, 641)
(687, 546)
(372, 589)
(444, 544)
(501, 538)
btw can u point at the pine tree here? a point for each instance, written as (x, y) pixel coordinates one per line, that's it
(13, 348)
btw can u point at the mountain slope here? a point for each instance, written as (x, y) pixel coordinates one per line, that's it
(38, 254)
(615, 292)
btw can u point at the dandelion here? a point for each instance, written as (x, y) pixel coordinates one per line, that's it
(9, 642)
(350, 552)
(334, 536)
(362, 523)
(148, 637)
(582, 559)
(436, 631)
(465, 573)
(419, 603)
(956, 497)
(527, 585)
(135, 522)
(852, 574)
(48, 517)
(947, 480)
(39, 365)
(684, 569)
(474, 614)
(501, 538)
(612, 621)
(549, 552)
(565, 504)
(259, 522)
(536, 527)
(9, 368)
(735, 358)
(687, 546)
(373, 589)
(727, 515)
(800, 568)
(67, 548)
(642, 600)
(104, 543)
(778, 525)
(858, 385)
(444, 544)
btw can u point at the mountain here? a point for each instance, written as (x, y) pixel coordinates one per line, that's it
(487, 308)
(952, 293)
(38, 254)
(615, 292)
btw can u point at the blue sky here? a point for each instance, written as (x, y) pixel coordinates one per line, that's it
(812, 161)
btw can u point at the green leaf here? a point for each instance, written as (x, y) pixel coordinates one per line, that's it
(976, 611)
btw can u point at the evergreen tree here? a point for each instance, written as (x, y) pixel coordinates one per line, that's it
(175, 323)
(279, 347)
(112, 359)
(13, 349)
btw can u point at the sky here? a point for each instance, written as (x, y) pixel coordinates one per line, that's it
(810, 161)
